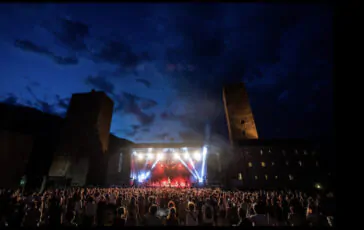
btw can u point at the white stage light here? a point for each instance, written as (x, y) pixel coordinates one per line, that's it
(160, 156)
(187, 156)
(197, 156)
(140, 156)
(176, 156)
(150, 155)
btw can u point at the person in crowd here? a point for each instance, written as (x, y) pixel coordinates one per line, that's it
(90, 212)
(172, 219)
(207, 214)
(120, 219)
(191, 215)
(243, 221)
(151, 218)
(295, 219)
(259, 218)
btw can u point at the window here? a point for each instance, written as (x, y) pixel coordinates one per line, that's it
(266, 177)
(300, 163)
(276, 177)
(305, 152)
(287, 162)
(296, 151)
(270, 151)
(240, 176)
(250, 164)
(256, 177)
(284, 152)
(261, 152)
(290, 177)
(263, 164)
(317, 164)
(273, 163)
(242, 122)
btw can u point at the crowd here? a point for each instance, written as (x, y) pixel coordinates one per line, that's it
(164, 206)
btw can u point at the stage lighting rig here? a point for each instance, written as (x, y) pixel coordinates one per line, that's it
(197, 156)
(160, 156)
(140, 156)
(186, 156)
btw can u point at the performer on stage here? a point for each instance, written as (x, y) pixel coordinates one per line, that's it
(169, 182)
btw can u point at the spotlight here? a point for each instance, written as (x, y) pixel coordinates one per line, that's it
(176, 156)
(187, 156)
(197, 156)
(150, 155)
(140, 156)
(160, 156)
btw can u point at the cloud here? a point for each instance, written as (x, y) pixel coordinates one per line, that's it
(29, 46)
(100, 83)
(120, 53)
(134, 130)
(73, 34)
(125, 102)
(41, 104)
(63, 103)
(132, 104)
(145, 130)
(190, 136)
(144, 82)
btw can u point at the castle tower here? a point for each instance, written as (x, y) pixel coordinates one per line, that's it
(84, 139)
(238, 113)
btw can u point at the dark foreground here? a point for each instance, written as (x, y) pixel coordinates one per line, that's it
(165, 206)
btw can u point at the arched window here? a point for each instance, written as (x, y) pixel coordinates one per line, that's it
(276, 177)
(250, 164)
(300, 163)
(256, 177)
(261, 152)
(290, 177)
(287, 162)
(273, 163)
(263, 164)
(266, 177)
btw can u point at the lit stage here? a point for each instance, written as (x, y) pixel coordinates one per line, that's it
(168, 167)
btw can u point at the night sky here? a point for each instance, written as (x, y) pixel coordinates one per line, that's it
(164, 65)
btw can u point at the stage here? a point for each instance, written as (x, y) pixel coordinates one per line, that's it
(168, 167)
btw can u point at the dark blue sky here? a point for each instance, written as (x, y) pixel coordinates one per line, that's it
(164, 65)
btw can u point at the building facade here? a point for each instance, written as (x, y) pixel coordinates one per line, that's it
(257, 163)
(280, 164)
